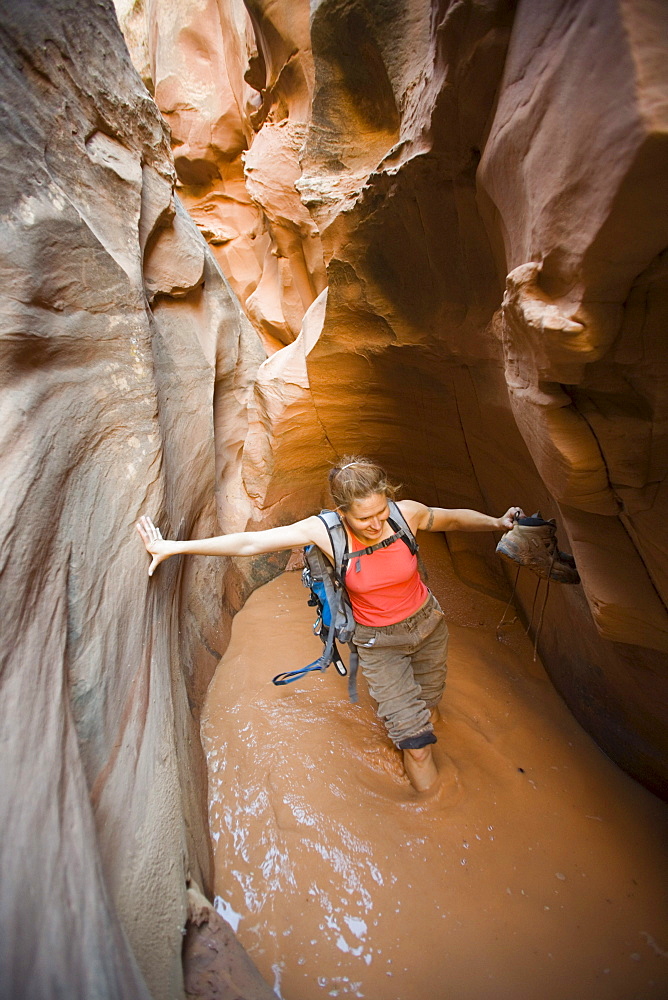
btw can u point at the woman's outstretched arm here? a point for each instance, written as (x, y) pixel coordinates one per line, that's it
(423, 518)
(310, 531)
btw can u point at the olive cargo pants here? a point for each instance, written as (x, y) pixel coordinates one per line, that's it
(405, 667)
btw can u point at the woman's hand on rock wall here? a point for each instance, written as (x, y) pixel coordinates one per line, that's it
(156, 546)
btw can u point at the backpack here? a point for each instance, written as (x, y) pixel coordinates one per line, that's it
(328, 594)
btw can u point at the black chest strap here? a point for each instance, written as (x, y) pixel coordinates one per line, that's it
(349, 556)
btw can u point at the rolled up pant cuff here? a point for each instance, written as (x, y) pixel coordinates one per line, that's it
(415, 742)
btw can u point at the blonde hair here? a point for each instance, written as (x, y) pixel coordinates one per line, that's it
(356, 478)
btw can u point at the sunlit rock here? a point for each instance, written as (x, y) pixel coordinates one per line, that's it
(235, 85)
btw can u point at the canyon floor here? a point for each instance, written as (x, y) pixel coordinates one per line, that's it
(536, 871)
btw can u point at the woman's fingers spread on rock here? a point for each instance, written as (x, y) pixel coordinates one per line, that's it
(148, 531)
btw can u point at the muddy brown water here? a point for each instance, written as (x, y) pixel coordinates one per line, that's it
(537, 871)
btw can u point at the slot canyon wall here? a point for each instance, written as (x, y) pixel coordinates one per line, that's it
(487, 185)
(120, 342)
(449, 219)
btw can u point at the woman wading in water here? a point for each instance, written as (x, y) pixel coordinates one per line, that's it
(401, 635)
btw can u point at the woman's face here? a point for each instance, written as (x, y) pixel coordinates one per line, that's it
(366, 518)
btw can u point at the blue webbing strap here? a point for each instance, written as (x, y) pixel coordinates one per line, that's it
(320, 664)
(294, 675)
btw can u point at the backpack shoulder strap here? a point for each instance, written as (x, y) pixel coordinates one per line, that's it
(401, 526)
(338, 538)
(340, 607)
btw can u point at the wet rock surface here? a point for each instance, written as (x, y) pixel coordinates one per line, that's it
(215, 964)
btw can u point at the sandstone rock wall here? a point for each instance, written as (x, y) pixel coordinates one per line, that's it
(234, 83)
(585, 97)
(119, 335)
(487, 183)
(584, 360)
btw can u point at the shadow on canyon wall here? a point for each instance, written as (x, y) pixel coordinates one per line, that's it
(454, 217)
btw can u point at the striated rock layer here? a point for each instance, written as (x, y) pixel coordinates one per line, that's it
(119, 337)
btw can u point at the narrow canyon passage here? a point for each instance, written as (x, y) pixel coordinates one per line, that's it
(536, 872)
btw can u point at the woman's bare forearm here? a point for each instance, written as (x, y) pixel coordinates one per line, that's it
(455, 519)
(237, 543)
(462, 519)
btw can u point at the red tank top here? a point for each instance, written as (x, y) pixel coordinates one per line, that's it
(388, 586)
